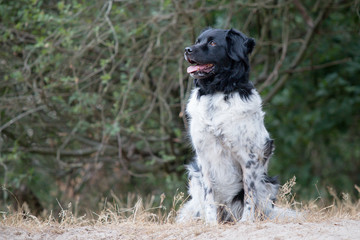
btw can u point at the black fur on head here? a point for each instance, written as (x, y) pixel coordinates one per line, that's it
(221, 62)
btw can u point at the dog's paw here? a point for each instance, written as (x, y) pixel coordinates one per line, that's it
(210, 219)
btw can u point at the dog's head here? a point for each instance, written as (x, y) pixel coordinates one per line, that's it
(216, 51)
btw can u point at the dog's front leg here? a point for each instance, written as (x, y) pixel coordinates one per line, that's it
(210, 205)
(260, 191)
(210, 210)
(249, 201)
(249, 198)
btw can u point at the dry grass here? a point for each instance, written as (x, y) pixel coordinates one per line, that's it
(138, 216)
(320, 209)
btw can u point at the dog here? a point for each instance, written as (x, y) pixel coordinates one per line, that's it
(228, 178)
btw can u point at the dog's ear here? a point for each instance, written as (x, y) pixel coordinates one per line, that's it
(234, 45)
(238, 45)
(250, 44)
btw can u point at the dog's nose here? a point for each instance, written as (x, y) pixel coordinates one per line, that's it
(188, 50)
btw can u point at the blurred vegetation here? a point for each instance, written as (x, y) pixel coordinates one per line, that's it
(92, 94)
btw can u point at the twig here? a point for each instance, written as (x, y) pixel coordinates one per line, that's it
(285, 36)
(53, 151)
(301, 53)
(317, 67)
(304, 13)
(182, 93)
(67, 140)
(24, 114)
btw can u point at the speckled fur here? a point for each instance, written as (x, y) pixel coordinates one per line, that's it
(231, 145)
(228, 177)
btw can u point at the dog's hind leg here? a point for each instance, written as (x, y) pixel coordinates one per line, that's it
(260, 194)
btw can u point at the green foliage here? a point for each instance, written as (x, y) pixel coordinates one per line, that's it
(91, 94)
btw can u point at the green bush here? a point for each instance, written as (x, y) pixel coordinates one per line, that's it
(93, 94)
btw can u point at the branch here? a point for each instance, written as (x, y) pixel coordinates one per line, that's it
(309, 34)
(304, 13)
(54, 151)
(285, 38)
(316, 67)
(21, 35)
(24, 114)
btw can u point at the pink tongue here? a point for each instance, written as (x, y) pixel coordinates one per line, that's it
(204, 68)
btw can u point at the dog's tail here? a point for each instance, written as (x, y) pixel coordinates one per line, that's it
(279, 213)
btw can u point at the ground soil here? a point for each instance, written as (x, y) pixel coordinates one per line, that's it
(326, 229)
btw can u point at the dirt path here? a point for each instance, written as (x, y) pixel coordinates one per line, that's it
(329, 229)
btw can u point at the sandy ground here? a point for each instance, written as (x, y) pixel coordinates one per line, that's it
(328, 229)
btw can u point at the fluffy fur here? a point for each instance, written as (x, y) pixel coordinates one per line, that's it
(228, 177)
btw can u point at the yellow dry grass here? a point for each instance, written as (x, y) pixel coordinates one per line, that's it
(138, 219)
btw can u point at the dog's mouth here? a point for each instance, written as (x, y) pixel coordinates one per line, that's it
(199, 71)
(200, 68)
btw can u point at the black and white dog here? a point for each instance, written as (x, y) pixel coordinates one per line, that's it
(228, 178)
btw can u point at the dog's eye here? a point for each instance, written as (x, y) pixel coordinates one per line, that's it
(212, 43)
(197, 41)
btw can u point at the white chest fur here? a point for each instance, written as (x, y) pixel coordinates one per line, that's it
(216, 122)
(224, 133)
(232, 150)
